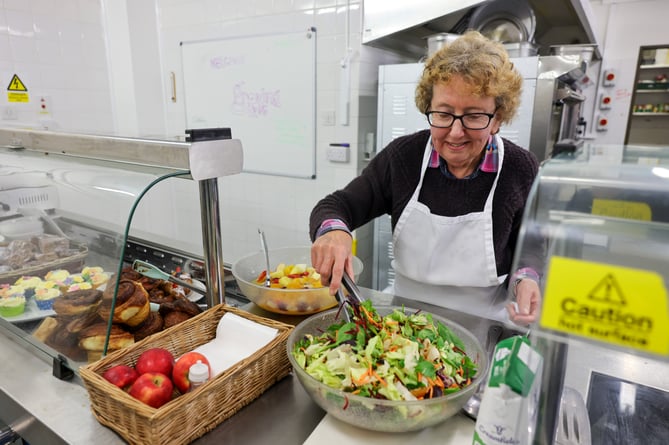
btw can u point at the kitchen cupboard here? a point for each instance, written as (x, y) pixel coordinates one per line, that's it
(648, 122)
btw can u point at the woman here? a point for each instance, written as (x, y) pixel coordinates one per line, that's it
(455, 192)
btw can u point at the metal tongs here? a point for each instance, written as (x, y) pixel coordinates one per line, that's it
(151, 271)
(353, 298)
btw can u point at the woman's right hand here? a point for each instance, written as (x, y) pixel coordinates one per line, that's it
(330, 256)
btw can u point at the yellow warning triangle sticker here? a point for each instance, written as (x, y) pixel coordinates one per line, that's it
(16, 85)
(607, 303)
(608, 291)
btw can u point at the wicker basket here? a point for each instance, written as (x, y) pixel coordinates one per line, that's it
(191, 415)
(72, 263)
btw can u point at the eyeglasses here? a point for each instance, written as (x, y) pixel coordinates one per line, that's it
(471, 121)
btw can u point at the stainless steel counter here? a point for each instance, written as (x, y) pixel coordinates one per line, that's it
(43, 409)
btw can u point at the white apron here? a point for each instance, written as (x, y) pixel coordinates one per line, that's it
(433, 253)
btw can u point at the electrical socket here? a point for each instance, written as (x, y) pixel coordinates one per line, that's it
(44, 105)
(338, 153)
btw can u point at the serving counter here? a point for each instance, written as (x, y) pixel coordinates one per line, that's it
(43, 409)
(603, 215)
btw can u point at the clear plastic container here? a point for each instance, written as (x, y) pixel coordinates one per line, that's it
(198, 374)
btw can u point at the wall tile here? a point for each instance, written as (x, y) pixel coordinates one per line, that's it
(3, 24)
(17, 5)
(48, 52)
(23, 49)
(19, 23)
(45, 27)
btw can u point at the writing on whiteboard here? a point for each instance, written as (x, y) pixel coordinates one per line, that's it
(254, 103)
(220, 62)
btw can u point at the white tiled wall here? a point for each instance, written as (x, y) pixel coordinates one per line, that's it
(58, 51)
(278, 205)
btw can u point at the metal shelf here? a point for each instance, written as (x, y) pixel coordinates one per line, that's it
(654, 67)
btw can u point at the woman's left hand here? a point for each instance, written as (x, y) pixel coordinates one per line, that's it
(528, 296)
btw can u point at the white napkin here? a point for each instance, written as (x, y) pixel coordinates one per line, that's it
(236, 338)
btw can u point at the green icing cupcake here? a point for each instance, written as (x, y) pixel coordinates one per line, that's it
(12, 306)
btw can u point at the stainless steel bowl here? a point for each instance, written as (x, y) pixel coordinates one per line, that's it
(283, 301)
(386, 415)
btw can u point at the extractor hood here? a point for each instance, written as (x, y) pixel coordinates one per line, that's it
(404, 27)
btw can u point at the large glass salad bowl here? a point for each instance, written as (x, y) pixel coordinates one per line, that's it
(381, 414)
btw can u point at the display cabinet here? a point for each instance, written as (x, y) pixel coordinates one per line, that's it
(649, 112)
(603, 216)
(77, 210)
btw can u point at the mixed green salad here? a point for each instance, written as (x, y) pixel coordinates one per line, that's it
(399, 356)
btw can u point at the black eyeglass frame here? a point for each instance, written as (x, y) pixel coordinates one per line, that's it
(460, 118)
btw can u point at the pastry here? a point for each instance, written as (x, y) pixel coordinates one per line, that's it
(48, 243)
(132, 305)
(173, 318)
(153, 323)
(181, 304)
(46, 329)
(92, 339)
(67, 343)
(78, 324)
(159, 296)
(12, 306)
(131, 274)
(78, 303)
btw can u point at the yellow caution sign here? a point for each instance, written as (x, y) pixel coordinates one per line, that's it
(607, 303)
(622, 209)
(17, 91)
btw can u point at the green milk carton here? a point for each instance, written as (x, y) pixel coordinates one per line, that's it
(510, 404)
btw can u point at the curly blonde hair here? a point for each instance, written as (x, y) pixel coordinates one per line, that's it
(483, 64)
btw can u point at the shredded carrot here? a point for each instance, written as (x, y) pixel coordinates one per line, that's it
(383, 382)
(370, 318)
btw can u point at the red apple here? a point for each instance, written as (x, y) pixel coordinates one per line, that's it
(153, 388)
(181, 367)
(121, 375)
(155, 360)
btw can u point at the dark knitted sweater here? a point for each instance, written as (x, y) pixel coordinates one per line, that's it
(387, 183)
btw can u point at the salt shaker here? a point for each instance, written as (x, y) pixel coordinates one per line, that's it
(198, 374)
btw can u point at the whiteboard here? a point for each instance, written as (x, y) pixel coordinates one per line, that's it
(263, 87)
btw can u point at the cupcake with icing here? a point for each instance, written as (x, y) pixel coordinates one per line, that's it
(95, 275)
(12, 306)
(28, 283)
(84, 285)
(60, 277)
(88, 271)
(45, 295)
